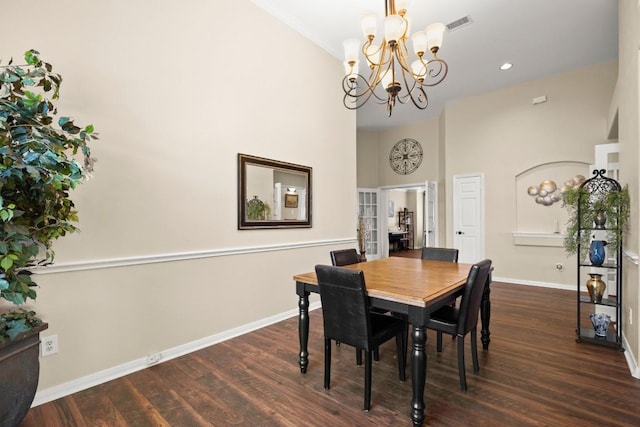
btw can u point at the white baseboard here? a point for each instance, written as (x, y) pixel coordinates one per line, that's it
(65, 389)
(533, 283)
(631, 361)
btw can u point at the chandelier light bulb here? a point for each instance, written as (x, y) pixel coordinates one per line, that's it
(419, 39)
(435, 33)
(351, 70)
(419, 70)
(351, 50)
(394, 27)
(369, 24)
(386, 79)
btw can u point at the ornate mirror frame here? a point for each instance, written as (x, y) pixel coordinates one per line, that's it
(273, 194)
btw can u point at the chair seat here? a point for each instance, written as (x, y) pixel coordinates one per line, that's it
(445, 319)
(383, 328)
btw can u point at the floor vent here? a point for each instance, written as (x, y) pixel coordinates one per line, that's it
(459, 23)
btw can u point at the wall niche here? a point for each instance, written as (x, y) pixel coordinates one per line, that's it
(540, 217)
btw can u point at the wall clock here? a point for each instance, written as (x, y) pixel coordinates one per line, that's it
(405, 156)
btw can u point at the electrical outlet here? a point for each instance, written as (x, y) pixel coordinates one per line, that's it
(154, 358)
(49, 345)
(630, 316)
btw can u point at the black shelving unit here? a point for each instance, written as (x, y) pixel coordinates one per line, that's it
(597, 188)
(406, 224)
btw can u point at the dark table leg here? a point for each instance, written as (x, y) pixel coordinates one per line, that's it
(485, 314)
(418, 374)
(303, 327)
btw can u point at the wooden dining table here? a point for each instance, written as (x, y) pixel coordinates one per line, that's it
(413, 287)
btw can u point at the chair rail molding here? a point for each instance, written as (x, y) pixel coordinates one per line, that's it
(70, 266)
(538, 239)
(632, 257)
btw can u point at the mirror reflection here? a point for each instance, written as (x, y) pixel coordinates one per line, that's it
(273, 194)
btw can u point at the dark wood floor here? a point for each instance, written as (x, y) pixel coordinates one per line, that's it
(534, 374)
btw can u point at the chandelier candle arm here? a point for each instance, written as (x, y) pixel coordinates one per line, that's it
(389, 61)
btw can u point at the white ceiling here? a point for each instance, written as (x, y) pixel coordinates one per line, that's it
(540, 37)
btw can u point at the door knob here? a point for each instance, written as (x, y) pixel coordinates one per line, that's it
(459, 232)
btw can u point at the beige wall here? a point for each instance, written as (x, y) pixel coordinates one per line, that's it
(175, 97)
(426, 133)
(367, 159)
(502, 134)
(374, 148)
(627, 100)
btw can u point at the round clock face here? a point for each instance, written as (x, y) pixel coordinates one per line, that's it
(405, 156)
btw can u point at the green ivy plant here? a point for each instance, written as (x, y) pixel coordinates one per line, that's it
(41, 160)
(583, 209)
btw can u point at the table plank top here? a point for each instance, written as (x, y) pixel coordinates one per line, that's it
(406, 280)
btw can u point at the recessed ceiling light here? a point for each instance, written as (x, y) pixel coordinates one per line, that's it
(506, 66)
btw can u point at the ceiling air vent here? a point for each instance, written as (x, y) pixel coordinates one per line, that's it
(459, 23)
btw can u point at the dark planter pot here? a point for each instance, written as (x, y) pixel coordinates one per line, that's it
(20, 367)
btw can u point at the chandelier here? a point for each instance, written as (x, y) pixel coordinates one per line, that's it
(390, 63)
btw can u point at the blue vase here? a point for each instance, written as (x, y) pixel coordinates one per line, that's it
(596, 252)
(600, 323)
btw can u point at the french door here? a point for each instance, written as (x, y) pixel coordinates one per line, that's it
(368, 202)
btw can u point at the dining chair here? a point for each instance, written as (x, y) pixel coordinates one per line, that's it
(440, 254)
(460, 321)
(344, 257)
(340, 258)
(347, 318)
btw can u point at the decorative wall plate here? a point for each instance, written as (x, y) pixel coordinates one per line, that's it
(405, 156)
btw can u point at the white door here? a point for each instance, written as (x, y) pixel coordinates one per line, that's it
(368, 210)
(468, 217)
(431, 215)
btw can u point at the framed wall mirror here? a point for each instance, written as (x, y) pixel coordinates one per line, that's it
(273, 194)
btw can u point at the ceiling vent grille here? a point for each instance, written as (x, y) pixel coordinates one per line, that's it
(459, 23)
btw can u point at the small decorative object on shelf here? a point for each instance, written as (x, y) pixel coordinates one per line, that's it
(600, 219)
(363, 233)
(600, 323)
(596, 252)
(596, 288)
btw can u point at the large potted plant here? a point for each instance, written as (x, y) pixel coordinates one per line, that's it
(42, 158)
